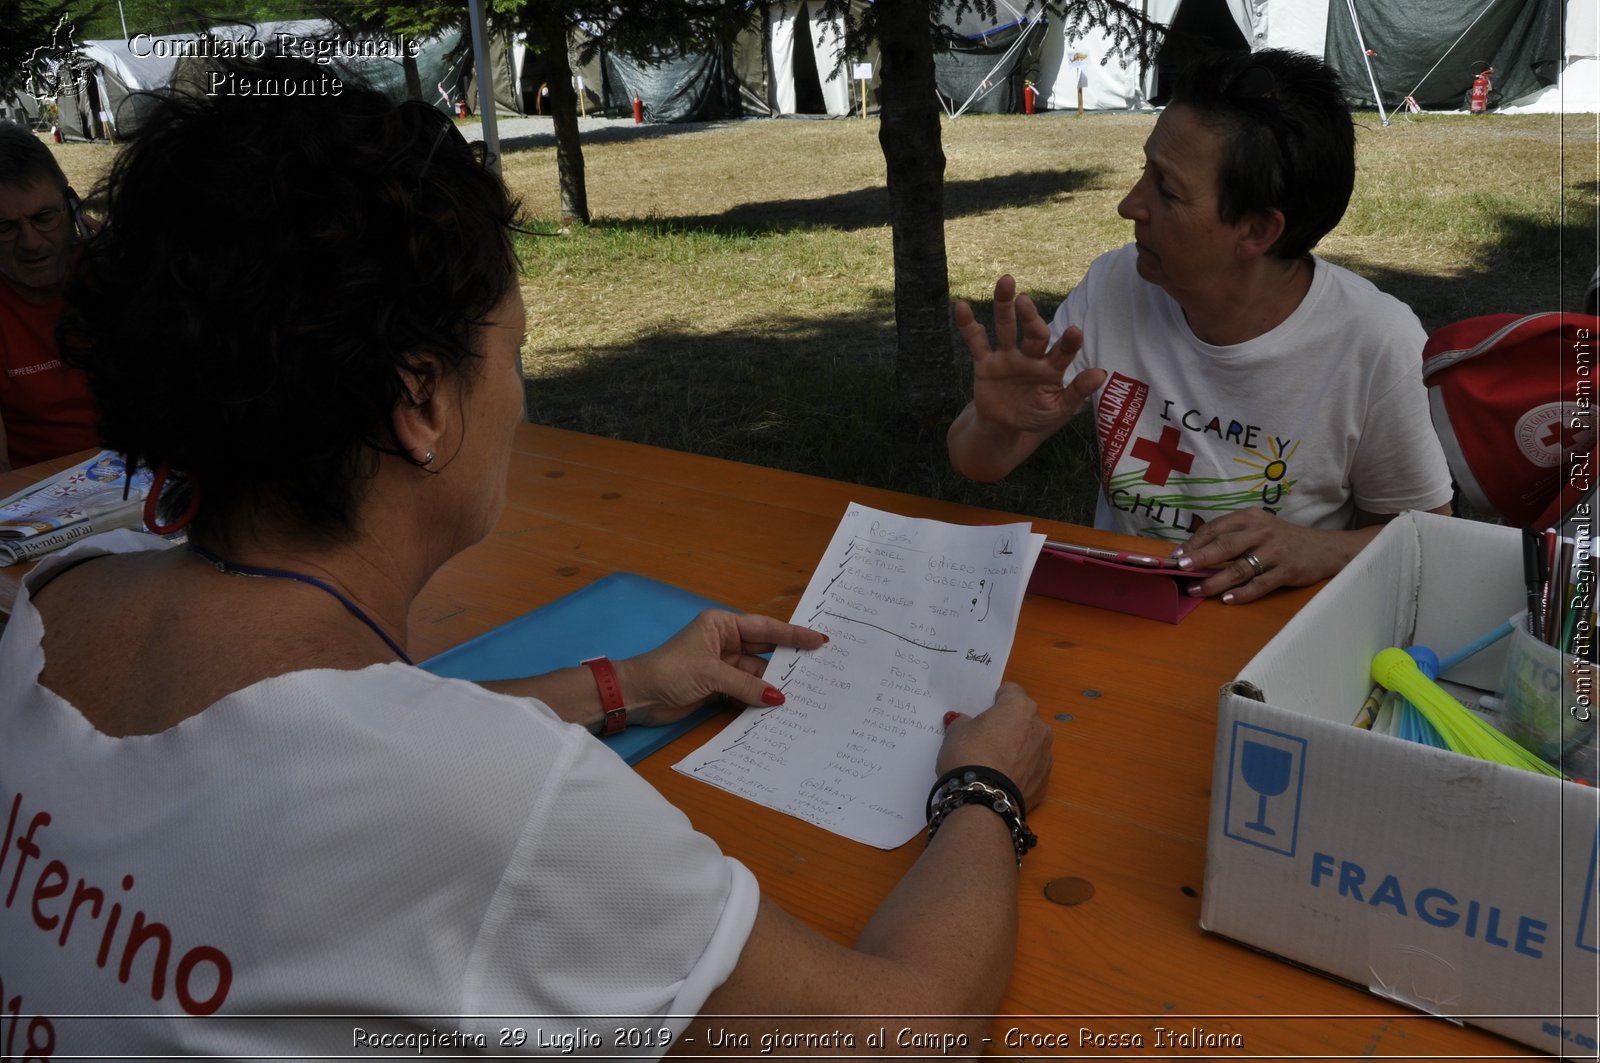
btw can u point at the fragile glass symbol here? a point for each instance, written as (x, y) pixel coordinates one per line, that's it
(1266, 771)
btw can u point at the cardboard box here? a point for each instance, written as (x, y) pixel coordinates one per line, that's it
(1453, 885)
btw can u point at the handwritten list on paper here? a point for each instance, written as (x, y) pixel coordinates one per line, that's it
(920, 617)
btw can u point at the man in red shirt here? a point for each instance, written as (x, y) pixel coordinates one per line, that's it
(45, 406)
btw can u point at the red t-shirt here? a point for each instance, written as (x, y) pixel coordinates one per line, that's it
(45, 405)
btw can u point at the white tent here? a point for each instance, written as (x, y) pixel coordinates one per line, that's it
(982, 71)
(1112, 82)
(123, 72)
(795, 24)
(1578, 89)
(1300, 25)
(804, 52)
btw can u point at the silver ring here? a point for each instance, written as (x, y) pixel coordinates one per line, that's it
(1255, 563)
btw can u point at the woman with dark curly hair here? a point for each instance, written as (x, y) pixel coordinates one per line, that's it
(226, 792)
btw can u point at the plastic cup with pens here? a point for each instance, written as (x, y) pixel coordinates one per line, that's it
(1547, 702)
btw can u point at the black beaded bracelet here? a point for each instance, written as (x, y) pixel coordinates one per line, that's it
(976, 784)
(973, 773)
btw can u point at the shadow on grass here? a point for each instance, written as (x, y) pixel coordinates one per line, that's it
(816, 395)
(1534, 265)
(866, 208)
(618, 130)
(809, 396)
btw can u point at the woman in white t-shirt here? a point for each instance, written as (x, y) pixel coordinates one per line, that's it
(1258, 407)
(225, 792)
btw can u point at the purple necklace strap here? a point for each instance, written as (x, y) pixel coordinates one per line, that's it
(299, 577)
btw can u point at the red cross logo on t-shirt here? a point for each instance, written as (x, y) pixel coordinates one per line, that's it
(1163, 457)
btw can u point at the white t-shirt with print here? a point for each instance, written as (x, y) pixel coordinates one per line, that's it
(375, 843)
(1322, 415)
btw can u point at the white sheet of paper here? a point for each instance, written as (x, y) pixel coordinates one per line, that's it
(920, 615)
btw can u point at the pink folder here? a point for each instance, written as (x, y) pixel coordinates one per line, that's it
(1154, 593)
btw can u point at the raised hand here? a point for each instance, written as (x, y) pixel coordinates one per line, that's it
(1020, 392)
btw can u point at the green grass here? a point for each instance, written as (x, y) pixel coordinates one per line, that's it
(734, 294)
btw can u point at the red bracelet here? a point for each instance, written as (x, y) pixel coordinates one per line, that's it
(611, 702)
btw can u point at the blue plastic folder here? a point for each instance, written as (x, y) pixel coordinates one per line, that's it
(621, 615)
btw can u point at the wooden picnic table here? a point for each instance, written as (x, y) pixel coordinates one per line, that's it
(1132, 703)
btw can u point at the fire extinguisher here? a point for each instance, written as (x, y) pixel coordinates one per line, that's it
(1028, 93)
(1479, 96)
(638, 109)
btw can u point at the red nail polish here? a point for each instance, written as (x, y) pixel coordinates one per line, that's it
(772, 696)
(825, 638)
(951, 717)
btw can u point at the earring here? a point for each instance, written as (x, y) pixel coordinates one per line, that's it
(427, 459)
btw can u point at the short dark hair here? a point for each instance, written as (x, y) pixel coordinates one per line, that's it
(24, 159)
(270, 266)
(1290, 142)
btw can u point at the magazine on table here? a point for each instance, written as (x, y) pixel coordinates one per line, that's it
(88, 498)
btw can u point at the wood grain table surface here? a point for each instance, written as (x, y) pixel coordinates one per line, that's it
(1132, 703)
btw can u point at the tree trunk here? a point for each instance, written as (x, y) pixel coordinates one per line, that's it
(909, 136)
(408, 63)
(547, 39)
